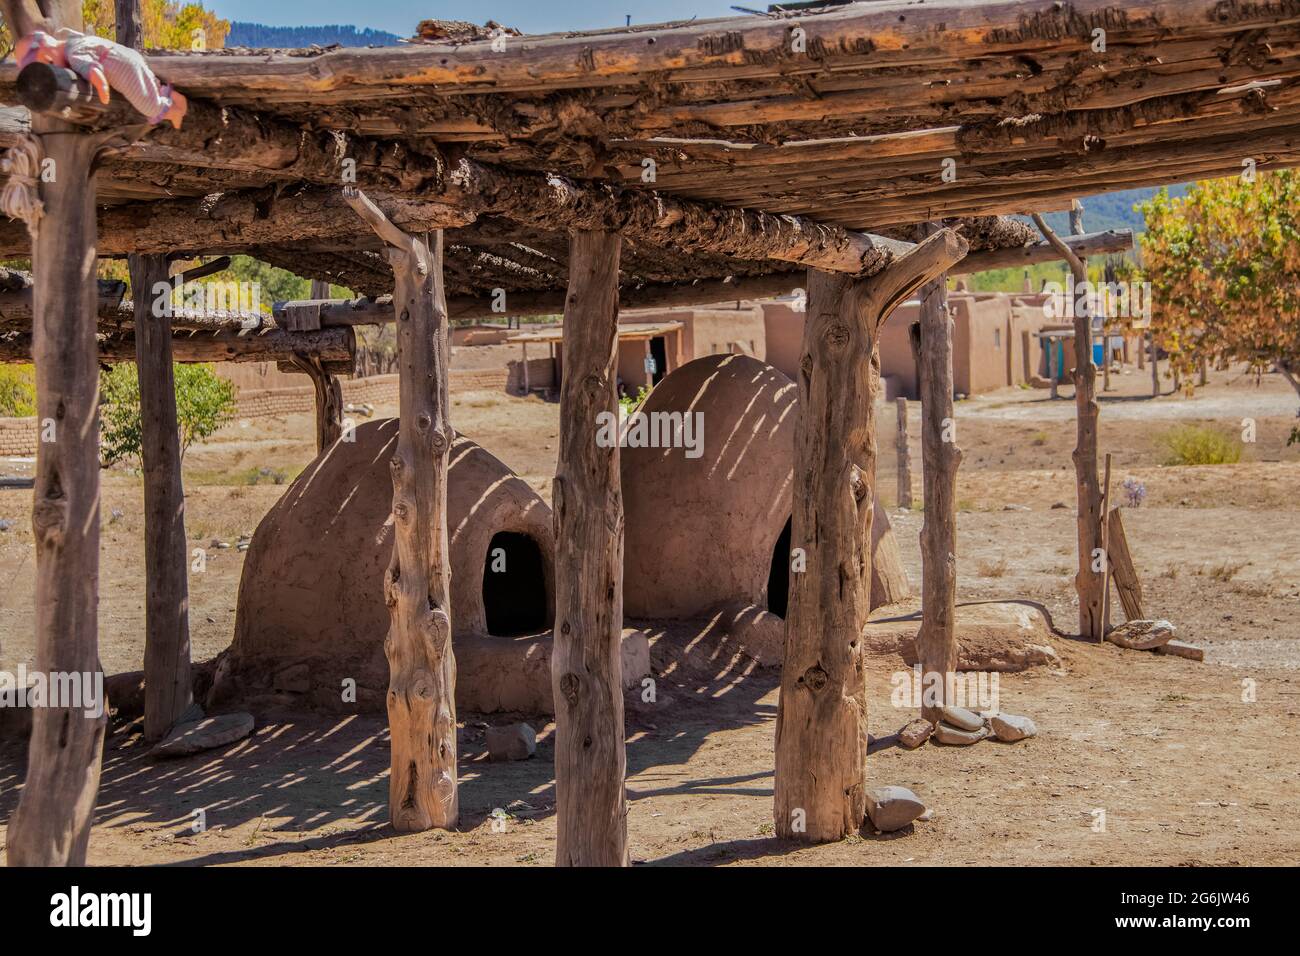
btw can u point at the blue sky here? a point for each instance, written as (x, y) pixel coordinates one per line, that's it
(531, 16)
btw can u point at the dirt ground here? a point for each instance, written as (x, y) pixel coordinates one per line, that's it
(1188, 765)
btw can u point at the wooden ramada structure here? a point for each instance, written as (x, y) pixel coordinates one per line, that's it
(855, 151)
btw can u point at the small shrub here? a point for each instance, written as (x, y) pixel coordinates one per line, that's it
(17, 391)
(991, 569)
(1200, 445)
(204, 402)
(1134, 492)
(1040, 439)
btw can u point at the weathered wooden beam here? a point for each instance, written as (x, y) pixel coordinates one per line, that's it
(821, 725)
(936, 641)
(1089, 244)
(422, 790)
(1127, 583)
(875, 34)
(904, 454)
(51, 825)
(232, 222)
(1089, 581)
(586, 672)
(332, 345)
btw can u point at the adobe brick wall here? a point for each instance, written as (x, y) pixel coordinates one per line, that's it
(17, 437)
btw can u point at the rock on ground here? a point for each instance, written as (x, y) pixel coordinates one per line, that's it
(915, 733)
(512, 742)
(892, 808)
(1141, 635)
(206, 734)
(1181, 649)
(1010, 728)
(962, 718)
(955, 737)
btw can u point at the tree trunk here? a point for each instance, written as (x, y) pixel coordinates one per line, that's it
(422, 669)
(51, 826)
(586, 672)
(821, 729)
(1155, 368)
(904, 457)
(936, 643)
(168, 692)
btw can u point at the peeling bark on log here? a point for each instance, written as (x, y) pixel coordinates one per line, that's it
(422, 790)
(586, 670)
(821, 730)
(332, 346)
(231, 222)
(936, 642)
(51, 826)
(168, 689)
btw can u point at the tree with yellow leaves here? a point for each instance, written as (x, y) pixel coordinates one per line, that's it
(1224, 267)
(168, 25)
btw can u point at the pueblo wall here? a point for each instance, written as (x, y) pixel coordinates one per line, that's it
(700, 533)
(311, 608)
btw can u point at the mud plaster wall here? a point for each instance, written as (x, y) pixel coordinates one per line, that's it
(700, 532)
(311, 605)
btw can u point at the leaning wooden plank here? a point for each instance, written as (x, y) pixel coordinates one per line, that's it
(1127, 583)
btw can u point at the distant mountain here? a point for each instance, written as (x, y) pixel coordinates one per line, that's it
(1112, 210)
(259, 36)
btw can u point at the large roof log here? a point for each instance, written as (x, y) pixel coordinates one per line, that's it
(334, 346)
(858, 36)
(232, 222)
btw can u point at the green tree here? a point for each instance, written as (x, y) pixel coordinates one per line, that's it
(204, 402)
(17, 391)
(1224, 267)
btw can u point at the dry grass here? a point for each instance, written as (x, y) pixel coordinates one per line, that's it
(991, 569)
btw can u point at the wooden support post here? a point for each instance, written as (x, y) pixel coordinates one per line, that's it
(422, 669)
(936, 642)
(586, 672)
(523, 347)
(821, 729)
(51, 825)
(904, 456)
(1088, 581)
(168, 692)
(329, 399)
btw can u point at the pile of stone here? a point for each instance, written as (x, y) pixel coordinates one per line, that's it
(1155, 636)
(959, 727)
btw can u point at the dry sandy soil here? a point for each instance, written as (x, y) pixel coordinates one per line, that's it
(1186, 771)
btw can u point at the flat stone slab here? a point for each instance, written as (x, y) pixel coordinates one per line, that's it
(915, 733)
(961, 718)
(1181, 649)
(1009, 728)
(892, 808)
(1142, 635)
(206, 734)
(955, 737)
